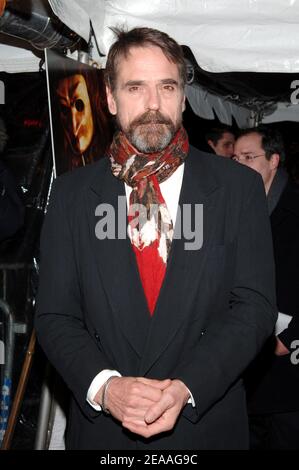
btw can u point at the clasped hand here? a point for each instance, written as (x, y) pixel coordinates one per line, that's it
(146, 406)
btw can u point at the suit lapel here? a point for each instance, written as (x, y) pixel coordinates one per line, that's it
(184, 268)
(117, 266)
(118, 270)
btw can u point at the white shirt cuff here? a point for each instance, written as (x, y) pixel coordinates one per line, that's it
(191, 400)
(97, 383)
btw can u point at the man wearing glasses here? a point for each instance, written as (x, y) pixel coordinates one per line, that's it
(273, 380)
(260, 149)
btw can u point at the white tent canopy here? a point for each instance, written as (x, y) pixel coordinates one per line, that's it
(224, 36)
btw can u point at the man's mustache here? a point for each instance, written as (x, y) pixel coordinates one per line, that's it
(151, 118)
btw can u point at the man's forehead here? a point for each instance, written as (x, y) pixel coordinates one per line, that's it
(228, 136)
(145, 59)
(248, 141)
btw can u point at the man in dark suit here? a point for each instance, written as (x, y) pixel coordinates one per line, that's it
(152, 327)
(273, 378)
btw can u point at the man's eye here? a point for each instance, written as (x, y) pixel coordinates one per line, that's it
(168, 87)
(134, 89)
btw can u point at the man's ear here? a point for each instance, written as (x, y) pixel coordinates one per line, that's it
(211, 144)
(111, 101)
(275, 158)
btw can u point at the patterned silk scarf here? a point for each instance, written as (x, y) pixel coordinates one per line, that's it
(150, 226)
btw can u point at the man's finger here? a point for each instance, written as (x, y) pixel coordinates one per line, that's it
(148, 392)
(159, 408)
(136, 428)
(134, 422)
(160, 384)
(137, 410)
(144, 430)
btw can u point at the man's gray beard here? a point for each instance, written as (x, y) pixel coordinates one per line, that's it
(151, 138)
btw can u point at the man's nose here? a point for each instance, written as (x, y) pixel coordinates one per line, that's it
(153, 99)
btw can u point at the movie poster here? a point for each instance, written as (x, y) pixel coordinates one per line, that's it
(79, 117)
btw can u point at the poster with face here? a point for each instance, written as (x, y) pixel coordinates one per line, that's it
(79, 117)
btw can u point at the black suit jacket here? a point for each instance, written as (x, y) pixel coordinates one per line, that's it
(215, 309)
(273, 382)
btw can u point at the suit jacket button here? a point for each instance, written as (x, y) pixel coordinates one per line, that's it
(97, 337)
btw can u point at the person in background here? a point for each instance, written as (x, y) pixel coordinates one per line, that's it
(273, 379)
(221, 141)
(151, 332)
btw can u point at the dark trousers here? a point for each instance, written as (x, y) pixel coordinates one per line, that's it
(278, 431)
